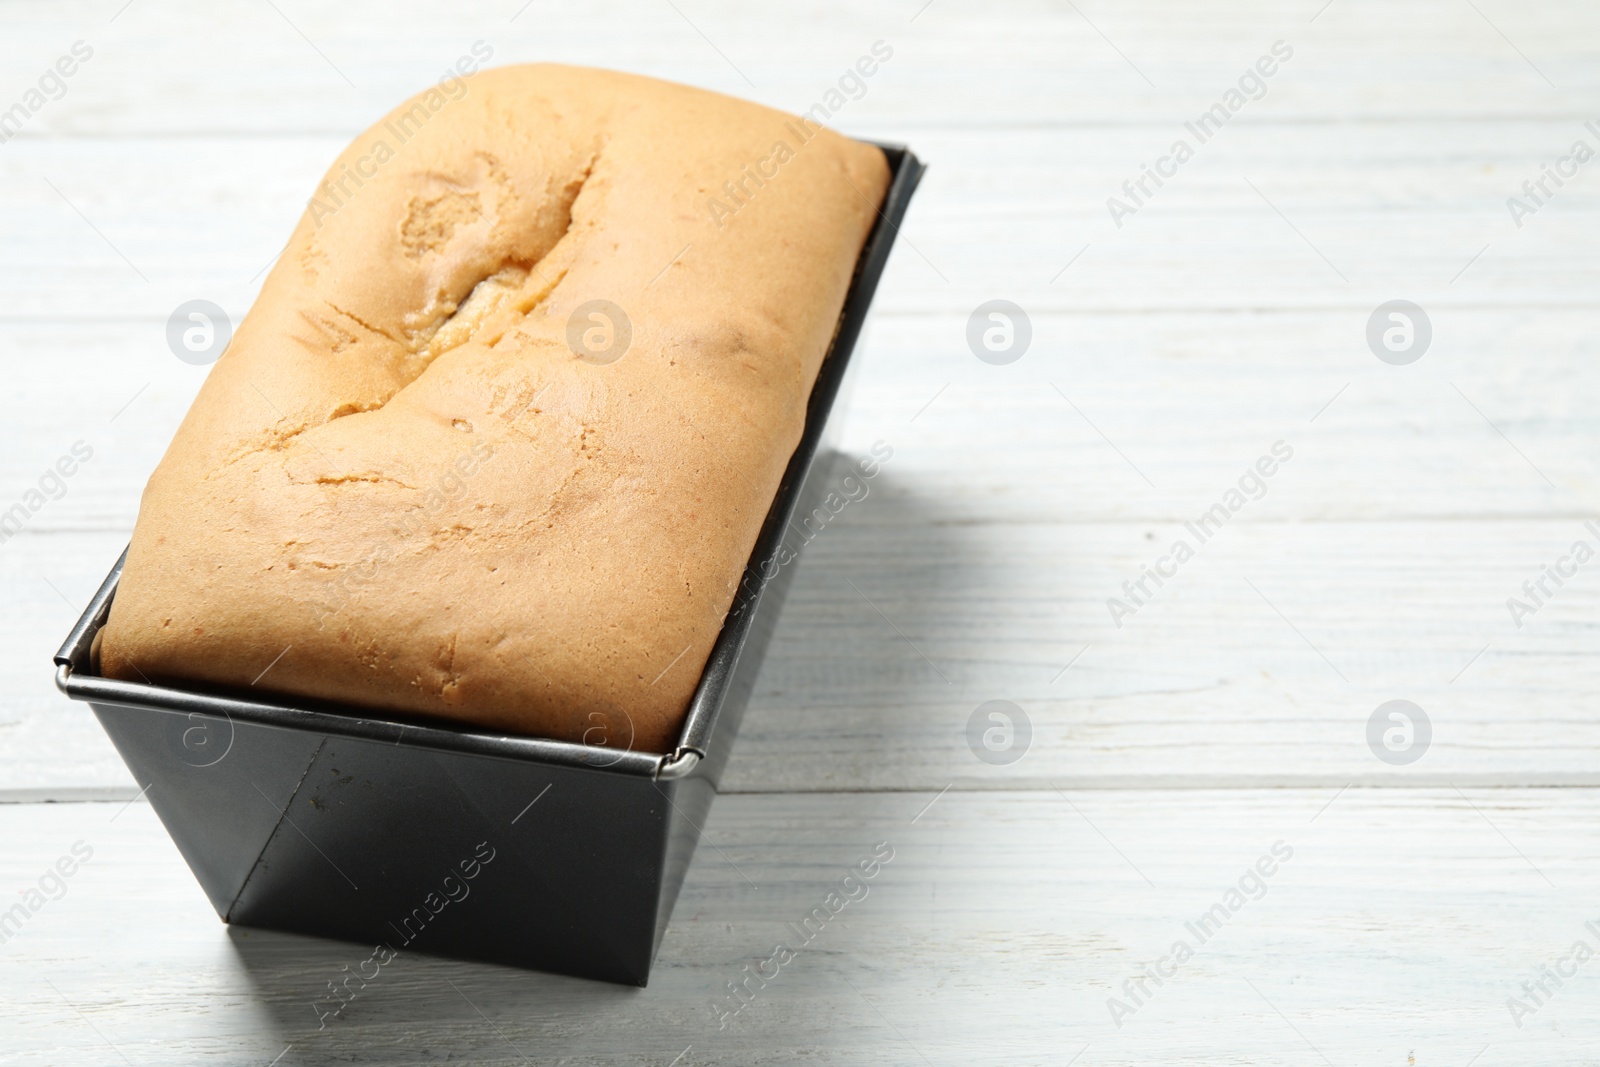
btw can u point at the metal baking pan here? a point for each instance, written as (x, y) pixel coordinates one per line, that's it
(410, 835)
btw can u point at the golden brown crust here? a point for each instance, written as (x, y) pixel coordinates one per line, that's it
(400, 488)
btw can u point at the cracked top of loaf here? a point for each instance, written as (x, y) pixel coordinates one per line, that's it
(497, 438)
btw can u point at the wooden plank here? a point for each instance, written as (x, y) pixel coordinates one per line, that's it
(1387, 208)
(1260, 662)
(1121, 418)
(47, 742)
(1205, 684)
(1400, 924)
(305, 67)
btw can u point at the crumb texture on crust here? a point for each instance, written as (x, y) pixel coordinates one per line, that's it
(402, 488)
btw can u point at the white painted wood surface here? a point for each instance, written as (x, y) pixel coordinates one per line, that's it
(1400, 926)
(1226, 315)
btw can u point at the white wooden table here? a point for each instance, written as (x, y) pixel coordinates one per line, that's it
(1229, 714)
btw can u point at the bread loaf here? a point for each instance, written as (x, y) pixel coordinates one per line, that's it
(496, 439)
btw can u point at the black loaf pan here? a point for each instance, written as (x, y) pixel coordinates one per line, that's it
(445, 839)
